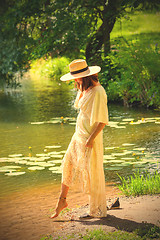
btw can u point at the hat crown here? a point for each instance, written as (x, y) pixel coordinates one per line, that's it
(77, 65)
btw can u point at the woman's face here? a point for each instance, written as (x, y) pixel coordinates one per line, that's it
(79, 80)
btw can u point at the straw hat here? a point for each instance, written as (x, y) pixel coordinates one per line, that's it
(78, 69)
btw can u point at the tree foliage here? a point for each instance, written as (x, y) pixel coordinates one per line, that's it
(32, 29)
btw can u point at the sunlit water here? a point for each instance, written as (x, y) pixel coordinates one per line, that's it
(37, 122)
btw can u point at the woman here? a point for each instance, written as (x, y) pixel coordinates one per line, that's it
(83, 161)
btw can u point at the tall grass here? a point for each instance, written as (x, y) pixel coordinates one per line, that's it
(138, 184)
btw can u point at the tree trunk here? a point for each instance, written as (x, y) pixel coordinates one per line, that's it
(94, 44)
(99, 42)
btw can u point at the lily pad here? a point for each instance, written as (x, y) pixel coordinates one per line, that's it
(108, 157)
(113, 168)
(56, 161)
(56, 156)
(50, 147)
(4, 159)
(121, 165)
(125, 164)
(126, 152)
(139, 149)
(15, 155)
(128, 119)
(135, 123)
(53, 162)
(128, 144)
(150, 121)
(6, 170)
(43, 158)
(56, 118)
(29, 158)
(117, 117)
(121, 154)
(46, 164)
(64, 151)
(32, 163)
(22, 162)
(54, 121)
(11, 167)
(54, 153)
(37, 123)
(113, 161)
(110, 148)
(139, 162)
(41, 155)
(57, 172)
(150, 118)
(55, 146)
(125, 158)
(11, 160)
(15, 173)
(36, 168)
(54, 168)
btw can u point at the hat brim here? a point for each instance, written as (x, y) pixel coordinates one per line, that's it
(90, 71)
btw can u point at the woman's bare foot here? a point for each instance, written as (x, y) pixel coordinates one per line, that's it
(61, 205)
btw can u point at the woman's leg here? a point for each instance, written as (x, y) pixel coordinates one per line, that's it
(62, 203)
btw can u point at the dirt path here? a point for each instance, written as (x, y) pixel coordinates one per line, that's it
(25, 216)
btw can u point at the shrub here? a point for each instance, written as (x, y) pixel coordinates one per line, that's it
(131, 71)
(51, 67)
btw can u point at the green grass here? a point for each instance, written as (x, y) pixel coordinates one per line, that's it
(138, 184)
(136, 23)
(98, 234)
(145, 233)
(101, 235)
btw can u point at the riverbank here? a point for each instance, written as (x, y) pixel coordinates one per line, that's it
(26, 215)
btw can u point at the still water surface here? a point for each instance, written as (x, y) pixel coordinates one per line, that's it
(31, 134)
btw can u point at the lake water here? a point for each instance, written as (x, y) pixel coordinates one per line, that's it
(37, 122)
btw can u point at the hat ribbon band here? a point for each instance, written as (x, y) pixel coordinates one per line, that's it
(79, 71)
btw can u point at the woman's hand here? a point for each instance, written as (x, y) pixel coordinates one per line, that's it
(90, 140)
(89, 143)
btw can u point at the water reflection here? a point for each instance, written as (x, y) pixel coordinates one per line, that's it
(36, 101)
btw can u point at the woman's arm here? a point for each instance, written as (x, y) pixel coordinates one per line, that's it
(98, 129)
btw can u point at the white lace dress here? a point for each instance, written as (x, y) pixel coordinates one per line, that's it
(83, 166)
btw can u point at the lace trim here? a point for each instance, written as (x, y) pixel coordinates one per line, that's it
(76, 165)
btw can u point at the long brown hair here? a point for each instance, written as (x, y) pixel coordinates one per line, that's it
(87, 82)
